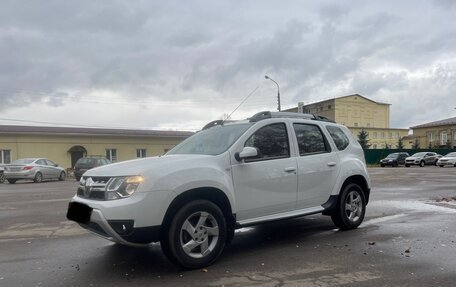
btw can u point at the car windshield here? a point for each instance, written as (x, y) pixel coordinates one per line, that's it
(212, 141)
(451, 154)
(23, 161)
(393, 155)
(419, 154)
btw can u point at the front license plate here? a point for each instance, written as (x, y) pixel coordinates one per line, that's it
(79, 212)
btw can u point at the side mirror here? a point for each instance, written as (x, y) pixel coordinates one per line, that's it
(247, 152)
(56, 165)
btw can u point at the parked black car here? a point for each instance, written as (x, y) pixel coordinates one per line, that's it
(85, 163)
(2, 175)
(394, 159)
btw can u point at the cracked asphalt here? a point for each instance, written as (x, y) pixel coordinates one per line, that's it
(407, 239)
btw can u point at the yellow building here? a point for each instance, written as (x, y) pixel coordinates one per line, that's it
(436, 134)
(359, 113)
(65, 145)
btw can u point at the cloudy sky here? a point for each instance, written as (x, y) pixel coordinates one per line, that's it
(179, 64)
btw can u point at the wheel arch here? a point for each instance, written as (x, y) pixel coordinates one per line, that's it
(333, 200)
(212, 194)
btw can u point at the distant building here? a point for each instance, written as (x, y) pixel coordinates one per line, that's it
(360, 113)
(436, 134)
(65, 145)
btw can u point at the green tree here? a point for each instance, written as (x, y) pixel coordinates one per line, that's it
(400, 144)
(363, 139)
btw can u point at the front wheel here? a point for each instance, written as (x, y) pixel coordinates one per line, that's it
(196, 236)
(422, 163)
(62, 176)
(2, 177)
(351, 208)
(407, 165)
(12, 181)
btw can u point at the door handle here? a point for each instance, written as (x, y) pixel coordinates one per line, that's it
(290, 169)
(331, 163)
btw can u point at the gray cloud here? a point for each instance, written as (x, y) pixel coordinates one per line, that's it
(197, 53)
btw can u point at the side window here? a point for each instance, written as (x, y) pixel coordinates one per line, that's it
(271, 142)
(339, 137)
(50, 163)
(310, 139)
(41, 162)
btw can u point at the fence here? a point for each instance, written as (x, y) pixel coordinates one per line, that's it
(373, 156)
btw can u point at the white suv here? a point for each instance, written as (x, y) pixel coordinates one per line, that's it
(230, 175)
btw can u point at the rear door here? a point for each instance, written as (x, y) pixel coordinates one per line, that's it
(41, 165)
(318, 165)
(54, 172)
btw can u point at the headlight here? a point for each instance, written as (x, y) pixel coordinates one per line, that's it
(121, 187)
(82, 181)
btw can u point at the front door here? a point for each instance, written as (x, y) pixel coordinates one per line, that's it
(266, 184)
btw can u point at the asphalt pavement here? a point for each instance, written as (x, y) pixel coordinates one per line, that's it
(408, 238)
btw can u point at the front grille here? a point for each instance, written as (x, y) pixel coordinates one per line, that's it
(94, 188)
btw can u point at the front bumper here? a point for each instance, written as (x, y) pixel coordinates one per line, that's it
(446, 163)
(134, 221)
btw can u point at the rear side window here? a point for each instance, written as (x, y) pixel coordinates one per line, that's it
(339, 137)
(271, 142)
(310, 139)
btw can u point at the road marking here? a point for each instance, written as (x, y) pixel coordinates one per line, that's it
(382, 219)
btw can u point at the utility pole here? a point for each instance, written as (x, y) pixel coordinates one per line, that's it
(278, 92)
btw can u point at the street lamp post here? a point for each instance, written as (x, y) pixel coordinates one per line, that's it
(278, 91)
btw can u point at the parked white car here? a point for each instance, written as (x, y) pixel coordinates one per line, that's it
(447, 160)
(36, 169)
(229, 175)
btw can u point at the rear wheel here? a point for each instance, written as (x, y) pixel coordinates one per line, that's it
(407, 165)
(351, 208)
(12, 181)
(196, 236)
(38, 177)
(422, 163)
(382, 165)
(62, 176)
(441, 165)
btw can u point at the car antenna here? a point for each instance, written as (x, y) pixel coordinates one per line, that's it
(245, 99)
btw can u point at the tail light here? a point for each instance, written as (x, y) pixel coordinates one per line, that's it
(27, 167)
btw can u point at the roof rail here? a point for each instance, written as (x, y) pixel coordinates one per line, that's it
(269, 115)
(213, 124)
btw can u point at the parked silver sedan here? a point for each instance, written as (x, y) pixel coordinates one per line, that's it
(36, 169)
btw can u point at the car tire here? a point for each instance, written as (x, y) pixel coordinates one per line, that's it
(12, 181)
(395, 164)
(351, 208)
(2, 177)
(435, 163)
(441, 165)
(382, 165)
(196, 236)
(407, 165)
(38, 177)
(62, 176)
(422, 163)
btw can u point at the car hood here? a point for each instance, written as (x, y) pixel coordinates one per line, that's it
(144, 165)
(414, 157)
(448, 157)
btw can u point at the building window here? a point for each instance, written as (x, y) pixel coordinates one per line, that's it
(111, 154)
(390, 135)
(5, 156)
(382, 135)
(443, 138)
(321, 109)
(374, 146)
(140, 152)
(329, 107)
(374, 135)
(356, 124)
(368, 125)
(431, 137)
(397, 135)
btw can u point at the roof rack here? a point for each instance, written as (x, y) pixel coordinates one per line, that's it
(216, 123)
(269, 115)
